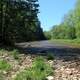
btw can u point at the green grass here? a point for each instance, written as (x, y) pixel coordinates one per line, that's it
(4, 65)
(2, 51)
(50, 56)
(74, 42)
(2, 76)
(39, 71)
(15, 54)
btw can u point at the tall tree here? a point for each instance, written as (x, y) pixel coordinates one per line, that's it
(77, 18)
(19, 21)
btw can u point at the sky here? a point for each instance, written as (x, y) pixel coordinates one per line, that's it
(53, 11)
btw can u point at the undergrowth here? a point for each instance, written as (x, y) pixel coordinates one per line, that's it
(39, 71)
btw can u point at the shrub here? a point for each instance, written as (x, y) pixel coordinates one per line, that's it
(50, 56)
(39, 71)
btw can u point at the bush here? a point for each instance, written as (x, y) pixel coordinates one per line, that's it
(39, 71)
(50, 56)
(47, 34)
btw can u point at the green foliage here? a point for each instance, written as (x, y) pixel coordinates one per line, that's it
(63, 31)
(50, 56)
(70, 26)
(1, 51)
(74, 42)
(47, 34)
(15, 54)
(39, 71)
(23, 25)
(76, 18)
(4, 65)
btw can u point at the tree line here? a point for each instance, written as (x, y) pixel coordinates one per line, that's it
(69, 27)
(19, 21)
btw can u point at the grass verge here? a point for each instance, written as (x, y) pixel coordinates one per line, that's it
(4, 65)
(74, 42)
(39, 71)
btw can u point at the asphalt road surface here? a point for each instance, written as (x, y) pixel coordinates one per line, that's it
(44, 47)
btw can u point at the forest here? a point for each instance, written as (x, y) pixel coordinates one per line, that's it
(26, 50)
(19, 21)
(69, 28)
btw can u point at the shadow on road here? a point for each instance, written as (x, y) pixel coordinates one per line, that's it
(61, 53)
(43, 48)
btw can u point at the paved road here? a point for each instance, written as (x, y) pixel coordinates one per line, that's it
(65, 56)
(44, 47)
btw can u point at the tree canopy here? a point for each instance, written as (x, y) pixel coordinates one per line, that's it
(19, 21)
(70, 26)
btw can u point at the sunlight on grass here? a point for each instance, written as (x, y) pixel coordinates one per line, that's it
(74, 42)
(2, 76)
(15, 54)
(4, 66)
(39, 71)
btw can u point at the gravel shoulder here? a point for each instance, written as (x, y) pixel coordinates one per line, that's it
(67, 58)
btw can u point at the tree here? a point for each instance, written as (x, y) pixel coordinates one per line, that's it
(47, 34)
(19, 21)
(65, 30)
(77, 18)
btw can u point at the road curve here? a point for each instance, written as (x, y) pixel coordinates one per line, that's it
(65, 56)
(46, 46)
(60, 51)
